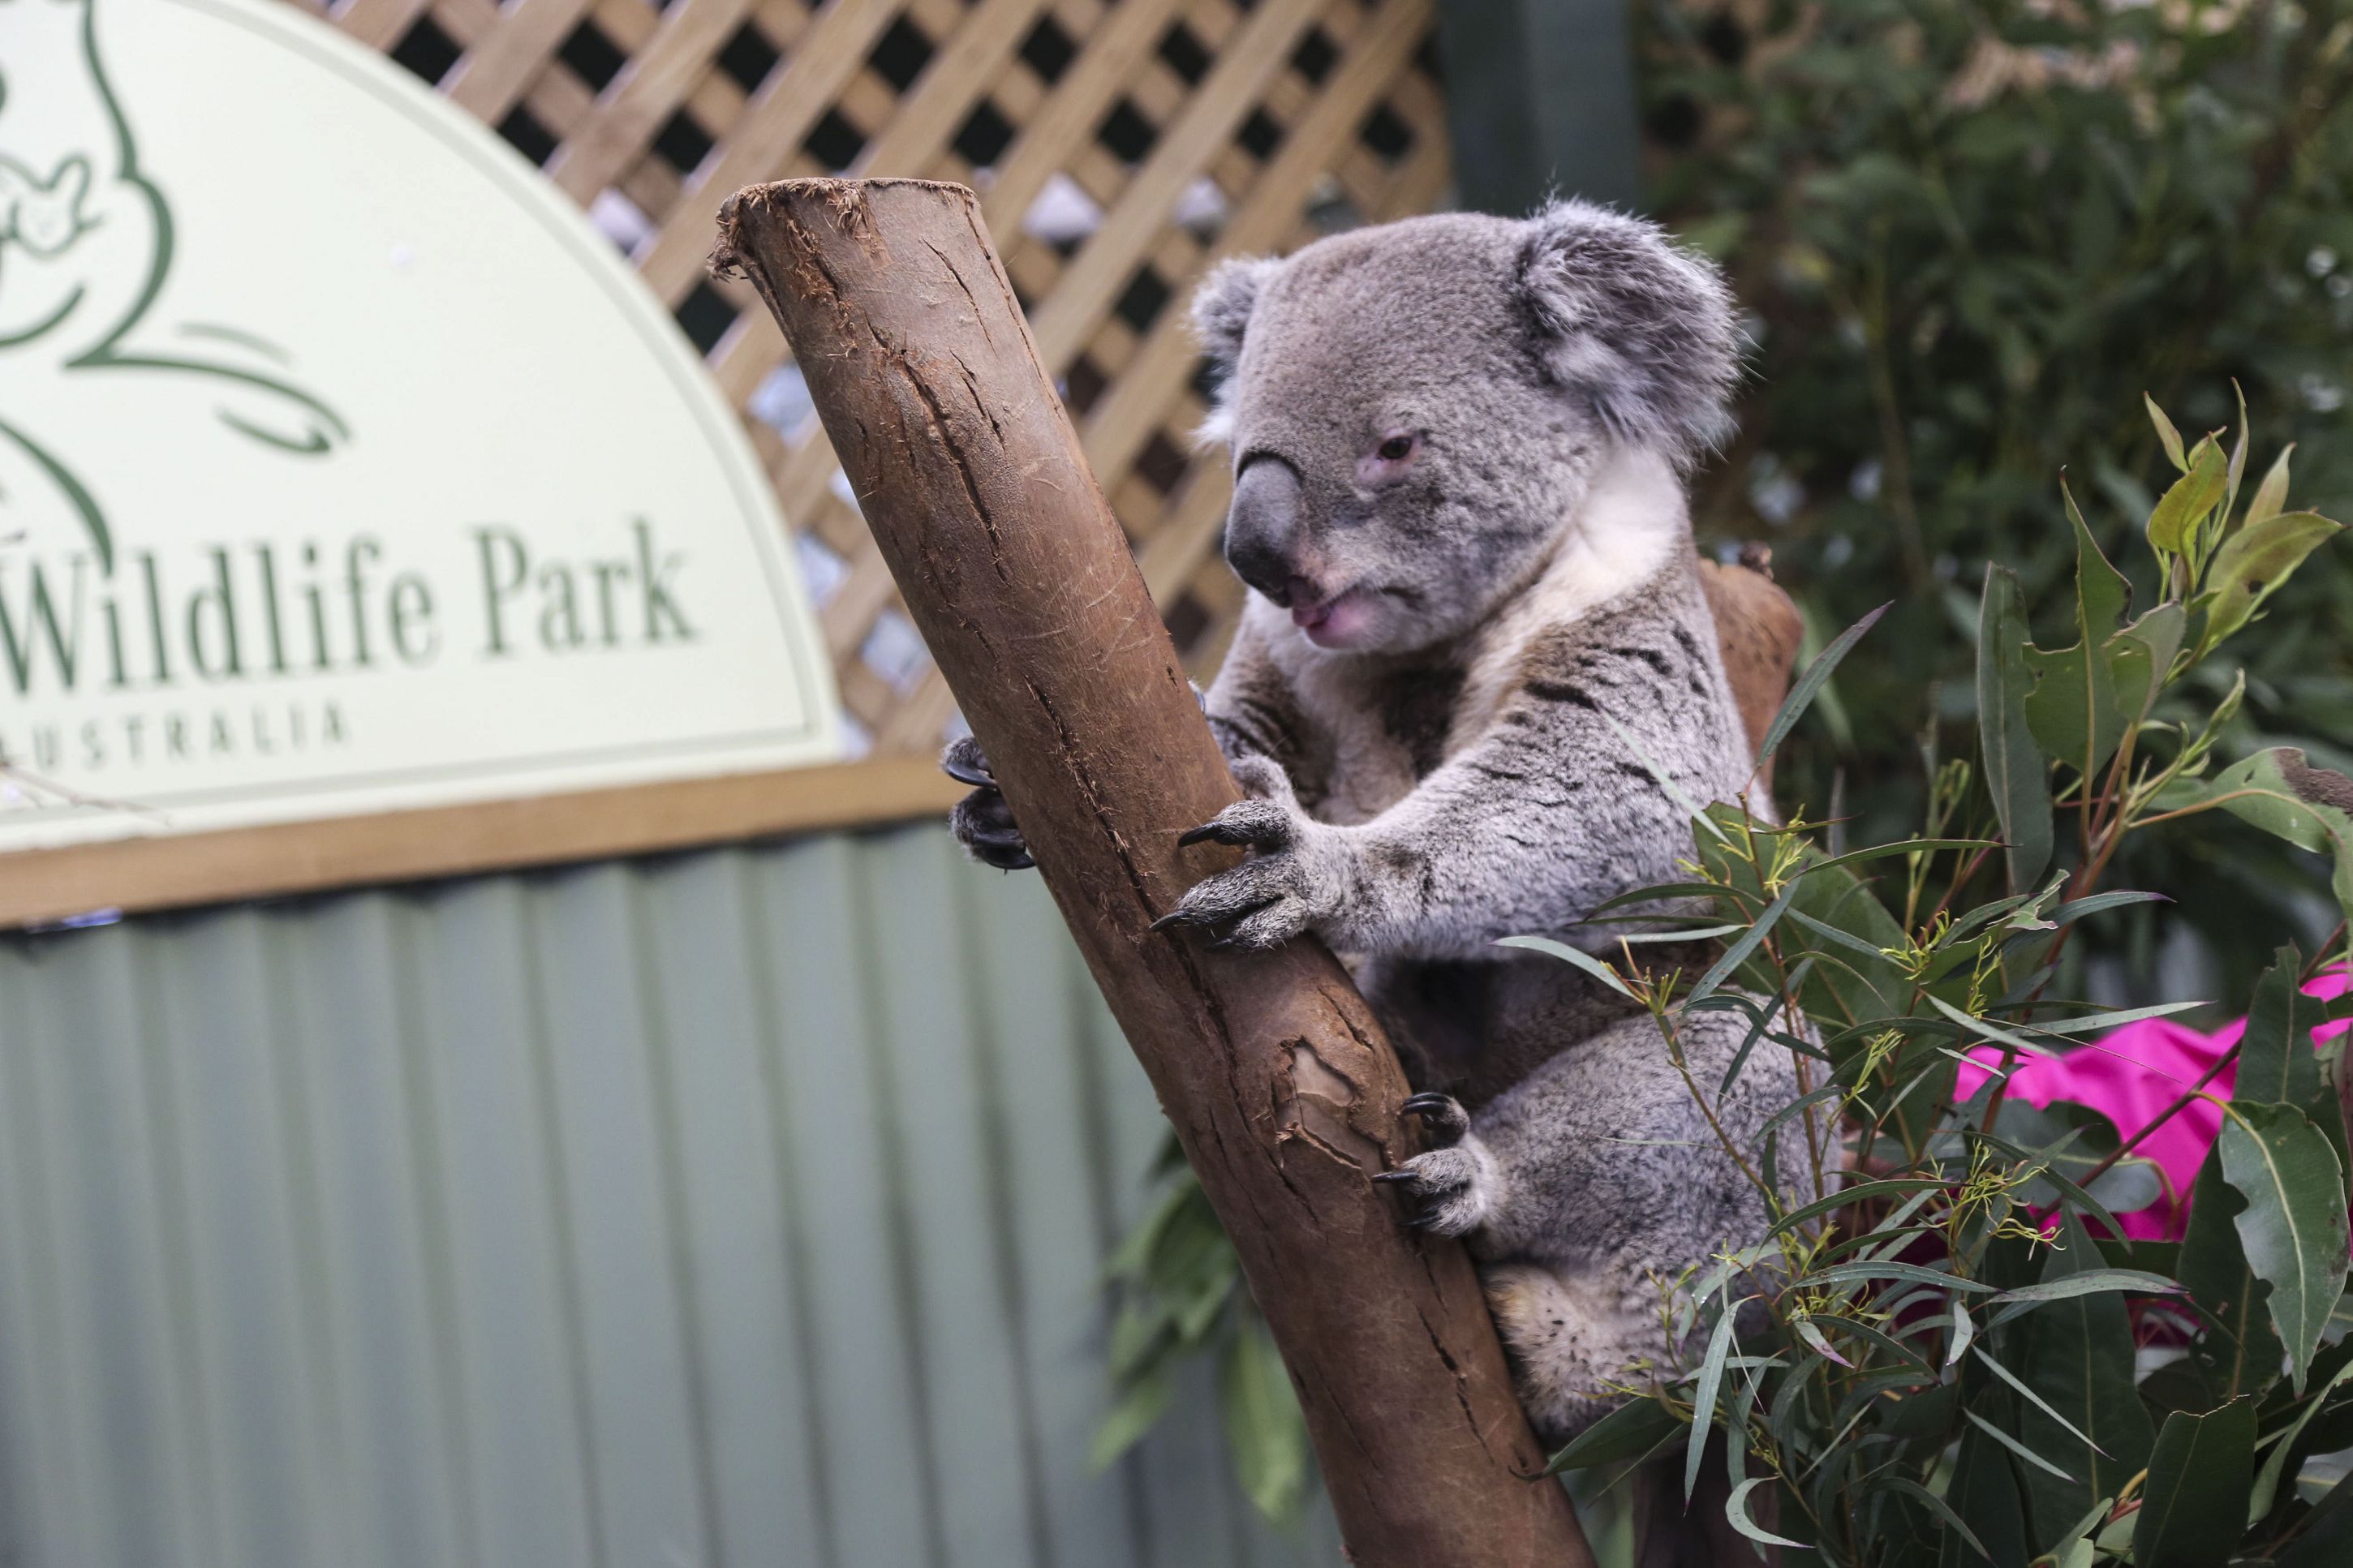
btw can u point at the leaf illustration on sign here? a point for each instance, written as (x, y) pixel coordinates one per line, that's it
(86, 249)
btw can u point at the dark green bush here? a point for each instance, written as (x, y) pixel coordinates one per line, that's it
(1973, 235)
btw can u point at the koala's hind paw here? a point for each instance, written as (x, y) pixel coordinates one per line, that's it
(1455, 1187)
(981, 821)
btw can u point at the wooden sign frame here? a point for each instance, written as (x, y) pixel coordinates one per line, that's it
(158, 872)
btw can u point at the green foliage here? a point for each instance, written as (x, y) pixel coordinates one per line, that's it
(1181, 1299)
(1934, 1356)
(1972, 237)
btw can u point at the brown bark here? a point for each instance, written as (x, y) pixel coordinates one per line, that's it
(1278, 1080)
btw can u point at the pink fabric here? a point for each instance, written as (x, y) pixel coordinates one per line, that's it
(2133, 1073)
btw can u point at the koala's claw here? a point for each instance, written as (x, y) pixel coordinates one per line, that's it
(1262, 824)
(1452, 1184)
(966, 773)
(981, 821)
(1442, 1113)
(1299, 874)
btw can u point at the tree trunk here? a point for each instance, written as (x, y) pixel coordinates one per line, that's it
(1280, 1083)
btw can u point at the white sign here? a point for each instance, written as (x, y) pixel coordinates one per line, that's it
(342, 466)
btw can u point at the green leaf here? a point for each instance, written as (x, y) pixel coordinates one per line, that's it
(2275, 1465)
(1984, 1493)
(2325, 1540)
(2088, 1282)
(1139, 1408)
(1738, 952)
(1711, 1376)
(2041, 1464)
(1802, 694)
(1264, 1425)
(2076, 908)
(1860, 1192)
(1735, 1510)
(2071, 1139)
(2140, 659)
(2017, 773)
(2072, 711)
(1805, 1329)
(2271, 496)
(2252, 563)
(1692, 809)
(2294, 1227)
(2019, 1388)
(1938, 1506)
(1991, 1031)
(2238, 467)
(1576, 956)
(2237, 1350)
(2089, 1022)
(2183, 507)
(2281, 793)
(2078, 1354)
(1633, 1431)
(1888, 1268)
(2165, 434)
(2102, 594)
(2277, 1065)
(2195, 1503)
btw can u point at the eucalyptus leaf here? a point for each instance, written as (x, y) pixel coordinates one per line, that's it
(2077, 1355)
(2274, 1465)
(2237, 1350)
(1629, 1432)
(1263, 1424)
(2294, 1227)
(2271, 496)
(2284, 794)
(1140, 1406)
(1579, 957)
(2186, 502)
(2017, 773)
(1735, 1510)
(1807, 685)
(2087, 1282)
(2254, 562)
(2277, 1065)
(1711, 1376)
(2166, 436)
(2073, 712)
(2194, 1506)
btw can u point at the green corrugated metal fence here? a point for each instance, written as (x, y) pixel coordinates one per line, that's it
(739, 1208)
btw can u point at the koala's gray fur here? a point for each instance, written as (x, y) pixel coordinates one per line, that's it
(1459, 443)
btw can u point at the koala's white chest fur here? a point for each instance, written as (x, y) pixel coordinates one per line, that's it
(1385, 724)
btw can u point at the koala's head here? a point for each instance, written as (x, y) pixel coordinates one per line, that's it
(1415, 410)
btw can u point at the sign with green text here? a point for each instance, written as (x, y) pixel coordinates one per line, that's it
(343, 467)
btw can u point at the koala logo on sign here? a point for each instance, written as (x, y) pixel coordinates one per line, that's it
(85, 254)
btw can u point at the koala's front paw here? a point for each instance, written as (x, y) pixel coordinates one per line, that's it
(1298, 874)
(1454, 1185)
(981, 821)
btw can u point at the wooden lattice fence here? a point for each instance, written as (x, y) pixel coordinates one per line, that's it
(1121, 145)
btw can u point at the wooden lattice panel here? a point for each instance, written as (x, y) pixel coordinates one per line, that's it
(1120, 147)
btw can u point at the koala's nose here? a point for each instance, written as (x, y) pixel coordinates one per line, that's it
(1263, 527)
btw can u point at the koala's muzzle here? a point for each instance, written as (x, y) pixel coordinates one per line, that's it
(1266, 525)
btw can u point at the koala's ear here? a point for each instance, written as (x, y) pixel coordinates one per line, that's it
(1640, 327)
(1221, 305)
(1221, 311)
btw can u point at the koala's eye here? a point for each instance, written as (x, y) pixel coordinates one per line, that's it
(1396, 446)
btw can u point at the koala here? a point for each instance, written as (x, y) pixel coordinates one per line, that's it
(1477, 632)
